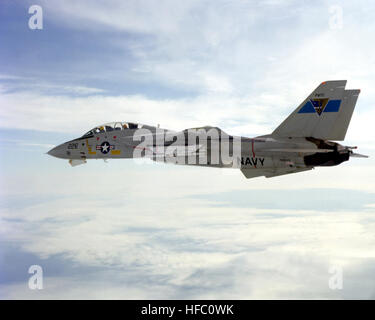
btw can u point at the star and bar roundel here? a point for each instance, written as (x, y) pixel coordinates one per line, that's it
(105, 147)
(320, 105)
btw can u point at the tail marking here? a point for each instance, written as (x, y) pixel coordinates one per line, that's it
(320, 105)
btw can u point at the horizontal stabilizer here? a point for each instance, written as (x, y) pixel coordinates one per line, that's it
(358, 155)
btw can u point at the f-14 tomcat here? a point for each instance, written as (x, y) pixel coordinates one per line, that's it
(304, 140)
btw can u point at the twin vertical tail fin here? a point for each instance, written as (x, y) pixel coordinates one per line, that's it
(324, 114)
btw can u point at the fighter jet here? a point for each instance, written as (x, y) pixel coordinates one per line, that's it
(303, 141)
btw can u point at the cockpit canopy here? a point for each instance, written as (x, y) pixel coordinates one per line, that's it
(113, 126)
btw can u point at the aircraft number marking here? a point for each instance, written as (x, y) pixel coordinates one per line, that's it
(73, 145)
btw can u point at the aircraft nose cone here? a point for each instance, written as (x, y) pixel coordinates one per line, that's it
(58, 152)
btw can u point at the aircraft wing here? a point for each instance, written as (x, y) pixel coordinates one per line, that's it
(253, 173)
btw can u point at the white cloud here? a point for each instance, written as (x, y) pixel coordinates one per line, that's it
(79, 114)
(153, 229)
(235, 47)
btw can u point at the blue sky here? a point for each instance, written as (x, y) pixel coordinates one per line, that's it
(128, 229)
